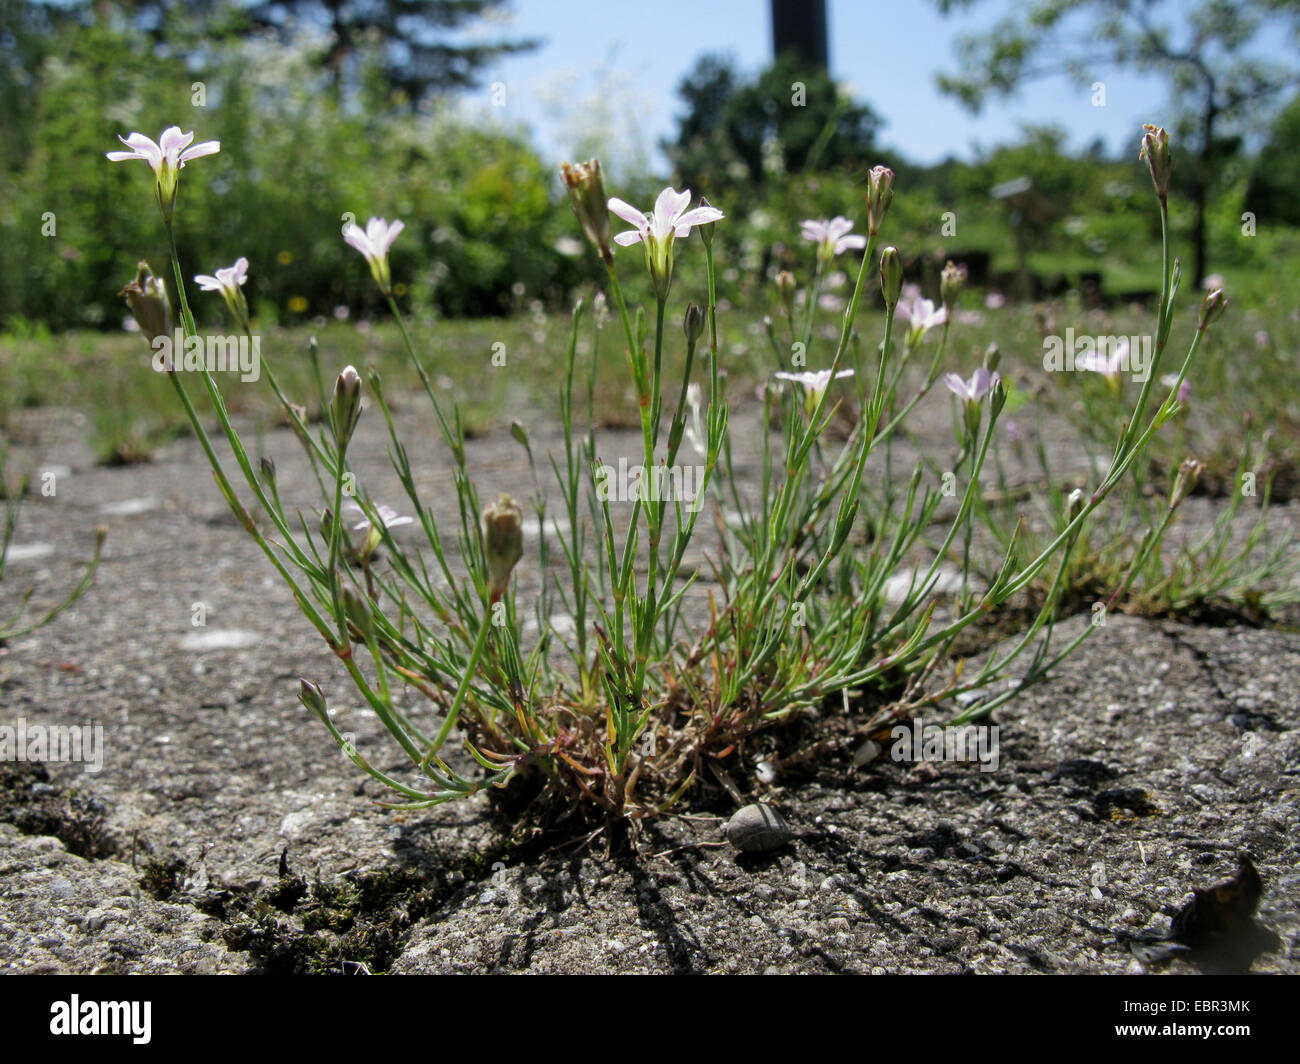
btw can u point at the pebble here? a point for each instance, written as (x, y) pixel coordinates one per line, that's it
(129, 507)
(758, 829)
(220, 639)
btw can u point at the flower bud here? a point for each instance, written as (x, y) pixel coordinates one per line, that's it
(997, 395)
(520, 434)
(345, 405)
(147, 298)
(706, 230)
(880, 193)
(1074, 504)
(785, 285)
(891, 276)
(358, 611)
(586, 187)
(951, 282)
(1188, 474)
(296, 417)
(1212, 307)
(1155, 151)
(693, 323)
(503, 542)
(309, 694)
(268, 471)
(992, 357)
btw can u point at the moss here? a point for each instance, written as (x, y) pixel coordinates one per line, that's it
(35, 806)
(296, 926)
(161, 878)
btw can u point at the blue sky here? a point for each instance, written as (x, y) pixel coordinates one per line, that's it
(622, 61)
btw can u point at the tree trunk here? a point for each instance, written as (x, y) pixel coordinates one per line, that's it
(799, 28)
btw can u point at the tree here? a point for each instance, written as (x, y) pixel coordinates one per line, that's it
(1217, 83)
(411, 45)
(789, 118)
(1271, 192)
(410, 39)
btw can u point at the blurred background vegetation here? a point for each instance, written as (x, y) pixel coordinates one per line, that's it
(327, 107)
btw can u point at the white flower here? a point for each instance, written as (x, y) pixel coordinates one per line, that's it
(814, 385)
(670, 218)
(1110, 364)
(167, 158)
(657, 230)
(172, 149)
(832, 237)
(693, 429)
(228, 282)
(981, 383)
(373, 242)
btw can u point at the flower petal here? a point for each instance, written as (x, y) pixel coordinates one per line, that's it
(208, 147)
(698, 216)
(628, 213)
(628, 239)
(391, 235)
(956, 385)
(668, 205)
(813, 230)
(356, 236)
(173, 139)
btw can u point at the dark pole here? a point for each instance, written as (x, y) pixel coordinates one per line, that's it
(799, 29)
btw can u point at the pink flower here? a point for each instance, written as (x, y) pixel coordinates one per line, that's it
(388, 517)
(832, 237)
(1184, 390)
(972, 391)
(921, 314)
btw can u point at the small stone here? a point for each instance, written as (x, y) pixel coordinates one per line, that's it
(758, 829)
(866, 753)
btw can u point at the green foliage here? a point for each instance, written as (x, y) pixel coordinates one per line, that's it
(1218, 81)
(477, 200)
